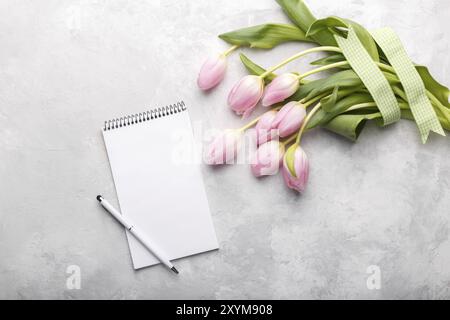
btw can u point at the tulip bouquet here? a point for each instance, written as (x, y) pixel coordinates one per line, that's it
(341, 102)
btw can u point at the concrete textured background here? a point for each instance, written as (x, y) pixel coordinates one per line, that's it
(65, 66)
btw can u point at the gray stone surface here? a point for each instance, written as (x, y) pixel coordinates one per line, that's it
(65, 66)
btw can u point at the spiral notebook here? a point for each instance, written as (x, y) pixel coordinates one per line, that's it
(163, 194)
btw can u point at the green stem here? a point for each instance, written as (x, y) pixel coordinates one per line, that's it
(305, 122)
(362, 105)
(326, 67)
(382, 66)
(402, 105)
(230, 50)
(289, 140)
(400, 93)
(250, 124)
(309, 102)
(386, 67)
(298, 55)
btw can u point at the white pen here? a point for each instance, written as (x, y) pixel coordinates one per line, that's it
(137, 233)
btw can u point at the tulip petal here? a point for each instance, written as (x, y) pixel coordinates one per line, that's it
(301, 168)
(267, 159)
(281, 88)
(292, 121)
(246, 94)
(282, 113)
(264, 127)
(224, 148)
(212, 72)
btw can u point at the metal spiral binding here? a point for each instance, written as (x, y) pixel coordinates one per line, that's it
(144, 116)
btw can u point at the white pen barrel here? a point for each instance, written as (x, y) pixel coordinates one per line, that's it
(148, 243)
(137, 233)
(116, 214)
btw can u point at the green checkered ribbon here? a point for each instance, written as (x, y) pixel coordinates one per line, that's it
(372, 77)
(412, 83)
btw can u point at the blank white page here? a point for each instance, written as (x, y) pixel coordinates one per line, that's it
(163, 198)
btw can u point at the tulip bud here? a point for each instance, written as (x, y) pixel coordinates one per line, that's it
(264, 128)
(268, 158)
(245, 95)
(295, 168)
(224, 148)
(212, 72)
(281, 88)
(289, 118)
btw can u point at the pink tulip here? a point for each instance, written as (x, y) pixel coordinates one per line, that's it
(268, 158)
(224, 148)
(245, 95)
(295, 168)
(212, 72)
(289, 118)
(264, 128)
(281, 88)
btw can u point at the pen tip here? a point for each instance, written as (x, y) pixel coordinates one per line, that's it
(99, 198)
(174, 270)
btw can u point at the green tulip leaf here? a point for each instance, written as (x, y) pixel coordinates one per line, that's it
(334, 25)
(343, 79)
(299, 14)
(255, 69)
(441, 92)
(329, 60)
(306, 89)
(265, 36)
(350, 125)
(328, 103)
(322, 117)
